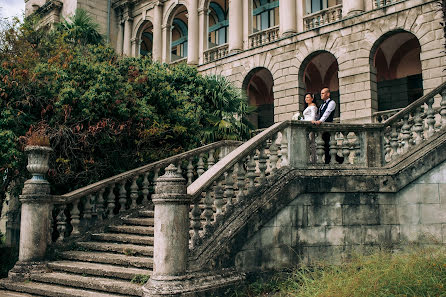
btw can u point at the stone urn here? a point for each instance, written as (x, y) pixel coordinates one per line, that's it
(38, 160)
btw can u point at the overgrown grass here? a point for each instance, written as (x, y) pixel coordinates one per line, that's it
(418, 272)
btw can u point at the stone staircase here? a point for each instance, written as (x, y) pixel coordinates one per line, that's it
(102, 266)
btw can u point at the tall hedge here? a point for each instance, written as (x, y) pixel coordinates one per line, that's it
(104, 114)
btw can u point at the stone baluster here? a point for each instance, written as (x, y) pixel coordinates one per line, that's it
(262, 162)
(134, 193)
(179, 170)
(320, 151)
(430, 120)
(200, 165)
(273, 151)
(387, 146)
(145, 188)
(284, 149)
(229, 189)
(61, 223)
(155, 176)
(122, 196)
(443, 108)
(208, 210)
(190, 172)
(218, 197)
(111, 201)
(171, 232)
(353, 140)
(405, 131)
(196, 222)
(87, 210)
(394, 142)
(75, 218)
(333, 148)
(211, 160)
(418, 126)
(241, 176)
(100, 204)
(251, 174)
(345, 147)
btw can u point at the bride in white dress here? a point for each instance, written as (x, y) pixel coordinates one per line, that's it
(310, 113)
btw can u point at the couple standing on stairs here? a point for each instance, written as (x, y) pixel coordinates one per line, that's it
(325, 113)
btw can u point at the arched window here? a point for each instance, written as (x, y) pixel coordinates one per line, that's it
(396, 62)
(265, 14)
(146, 39)
(218, 24)
(179, 36)
(258, 85)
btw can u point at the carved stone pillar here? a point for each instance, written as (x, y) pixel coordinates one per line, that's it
(166, 44)
(35, 212)
(127, 36)
(352, 7)
(120, 39)
(287, 15)
(192, 38)
(171, 239)
(203, 16)
(235, 25)
(157, 32)
(247, 22)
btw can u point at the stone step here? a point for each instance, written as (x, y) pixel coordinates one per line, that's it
(143, 230)
(126, 249)
(50, 290)
(97, 269)
(146, 213)
(4, 293)
(108, 258)
(124, 238)
(94, 283)
(139, 221)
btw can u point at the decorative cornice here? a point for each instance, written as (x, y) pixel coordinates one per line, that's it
(49, 6)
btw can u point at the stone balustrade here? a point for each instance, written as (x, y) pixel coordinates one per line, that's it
(179, 61)
(382, 3)
(74, 212)
(264, 37)
(323, 17)
(216, 53)
(382, 116)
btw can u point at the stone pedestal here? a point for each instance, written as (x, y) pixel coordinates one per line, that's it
(35, 211)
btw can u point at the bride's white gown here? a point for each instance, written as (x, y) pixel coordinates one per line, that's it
(310, 113)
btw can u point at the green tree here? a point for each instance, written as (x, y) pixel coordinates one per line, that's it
(80, 28)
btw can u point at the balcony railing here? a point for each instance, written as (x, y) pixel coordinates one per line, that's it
(323, 17)
(382, 116)
(216, 53)
(178, 61)
(382, 3)
(264, 37)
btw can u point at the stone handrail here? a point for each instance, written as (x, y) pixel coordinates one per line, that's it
(323, 17)
(234, 176)
(415, 124)
(264, 37)
(179, 61)
(216, 53)
(75, 211)
(382, 116)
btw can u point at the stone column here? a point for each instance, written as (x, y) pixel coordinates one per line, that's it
(157, 32)
(203, 16)
(35, 212)
(247, 22)
(127, 35)
(352, 7)
(235, 25)
(287, 16)
(166, 44)
(119, 42)
(171, 239)
(192, 37)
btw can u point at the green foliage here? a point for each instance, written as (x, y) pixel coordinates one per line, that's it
(140, 279)
(80, 29)
(105, 114)
(8, 257)
(419, 272)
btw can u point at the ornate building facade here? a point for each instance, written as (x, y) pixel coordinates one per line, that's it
(376, 56)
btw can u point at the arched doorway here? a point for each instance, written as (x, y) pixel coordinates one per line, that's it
(146, 38)
(265, 14)
(179, 34)
(218, 23)
(258, 85)
(319, 71)
(395, 59)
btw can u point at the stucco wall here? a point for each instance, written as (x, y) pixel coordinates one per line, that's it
(329, 227)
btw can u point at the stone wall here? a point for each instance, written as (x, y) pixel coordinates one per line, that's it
(352, 42)
(329, 227)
